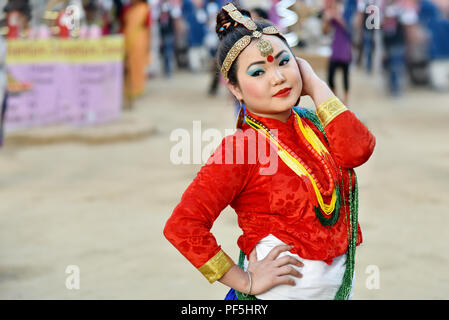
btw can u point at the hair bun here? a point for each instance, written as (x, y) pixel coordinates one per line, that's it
(226, 24)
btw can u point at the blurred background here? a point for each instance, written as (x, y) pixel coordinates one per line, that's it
(92, 91)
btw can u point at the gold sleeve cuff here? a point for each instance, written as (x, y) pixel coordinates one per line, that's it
(329, 109)
(216, 267)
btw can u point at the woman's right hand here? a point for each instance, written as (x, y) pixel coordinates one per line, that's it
(270, 271)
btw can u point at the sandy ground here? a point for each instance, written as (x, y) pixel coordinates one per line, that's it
(103, 207)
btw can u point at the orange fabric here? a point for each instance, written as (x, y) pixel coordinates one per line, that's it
(137, 47)
(280, 204)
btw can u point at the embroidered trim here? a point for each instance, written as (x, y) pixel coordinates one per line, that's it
(329, 109)
(233, 53)
(216, 267)
(263, 45)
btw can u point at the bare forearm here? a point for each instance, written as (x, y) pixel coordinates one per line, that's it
(236, 278)
(321, 92)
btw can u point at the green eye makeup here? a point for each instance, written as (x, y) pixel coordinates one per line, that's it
(255, 72)
(285, 59)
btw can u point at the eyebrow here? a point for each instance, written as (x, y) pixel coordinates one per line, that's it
(262, 62)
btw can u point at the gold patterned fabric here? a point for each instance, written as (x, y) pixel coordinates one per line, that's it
(237, 16)
(233, 53)
(329, 109)
(216, 267)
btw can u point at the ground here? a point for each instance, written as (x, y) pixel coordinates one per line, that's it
(102, 207)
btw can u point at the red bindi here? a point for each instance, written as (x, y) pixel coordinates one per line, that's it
(270, 58)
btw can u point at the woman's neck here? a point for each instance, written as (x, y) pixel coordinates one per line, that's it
(282, 116)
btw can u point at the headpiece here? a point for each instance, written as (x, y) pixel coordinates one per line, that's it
(263, 45)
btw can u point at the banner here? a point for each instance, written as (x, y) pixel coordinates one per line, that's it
(73, 81)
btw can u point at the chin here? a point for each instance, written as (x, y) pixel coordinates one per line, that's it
(285, 105)
(295, 99)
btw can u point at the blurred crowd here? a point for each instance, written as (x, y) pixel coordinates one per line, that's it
(409, 38)
(412, 37)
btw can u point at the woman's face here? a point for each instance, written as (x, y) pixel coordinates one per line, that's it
(268, 89)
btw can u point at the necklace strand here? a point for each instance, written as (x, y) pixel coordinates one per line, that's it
(311, 149)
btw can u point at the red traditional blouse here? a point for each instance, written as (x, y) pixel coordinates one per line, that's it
(279, 203)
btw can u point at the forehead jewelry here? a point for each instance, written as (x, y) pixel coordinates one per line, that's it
(264, 46)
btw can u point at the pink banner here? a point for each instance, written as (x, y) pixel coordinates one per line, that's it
(78, 92)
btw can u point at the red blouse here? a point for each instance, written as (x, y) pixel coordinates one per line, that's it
(280, 203)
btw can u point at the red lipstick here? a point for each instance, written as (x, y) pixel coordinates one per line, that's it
(283, 93)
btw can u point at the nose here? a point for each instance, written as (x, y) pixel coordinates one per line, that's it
(278, 78)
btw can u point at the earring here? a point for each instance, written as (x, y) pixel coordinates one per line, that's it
(240, 116)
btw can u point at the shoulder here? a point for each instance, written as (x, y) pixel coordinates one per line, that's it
(241, 144)
(312, 119)
(310, 115)
(241, 135)
(305, 112)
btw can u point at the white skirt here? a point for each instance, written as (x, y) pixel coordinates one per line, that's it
(319, 281)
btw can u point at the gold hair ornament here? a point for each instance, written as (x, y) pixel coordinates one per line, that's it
(263, 45)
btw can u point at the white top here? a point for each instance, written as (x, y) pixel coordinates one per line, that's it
(319, 281)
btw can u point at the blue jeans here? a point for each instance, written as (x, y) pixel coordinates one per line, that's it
(395, 67)
(168, 52)
(368, 48)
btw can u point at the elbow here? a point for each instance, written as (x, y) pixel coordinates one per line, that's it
(168, 230)
(358, 154)
(351, 142)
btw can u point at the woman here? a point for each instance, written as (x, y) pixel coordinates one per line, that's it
(18, 16)
(167, 36)
(341, 46)
(137, 45)
(304, 211)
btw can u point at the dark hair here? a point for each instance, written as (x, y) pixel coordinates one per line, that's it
(23, 6)
(229, 32)
(261, 12)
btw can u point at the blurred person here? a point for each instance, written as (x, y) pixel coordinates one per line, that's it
(93, 23)
(436, 24)
(349, 12)
(181, 35)
(273, 14)
(167, 36)
(63, 25)
(196, 18)
(366, 38)
(395, 19)
(212, 8)
(3, 86)
(116, 16)
(18, 16)
(62, 29)
(109, 14)
(341, 46)
(417, 50)
(136, 29)
(211, 41)
(297, 208)
(8, 86)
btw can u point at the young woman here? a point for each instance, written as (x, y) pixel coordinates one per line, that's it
(136, 30)
(299, 220)
(341, 46)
